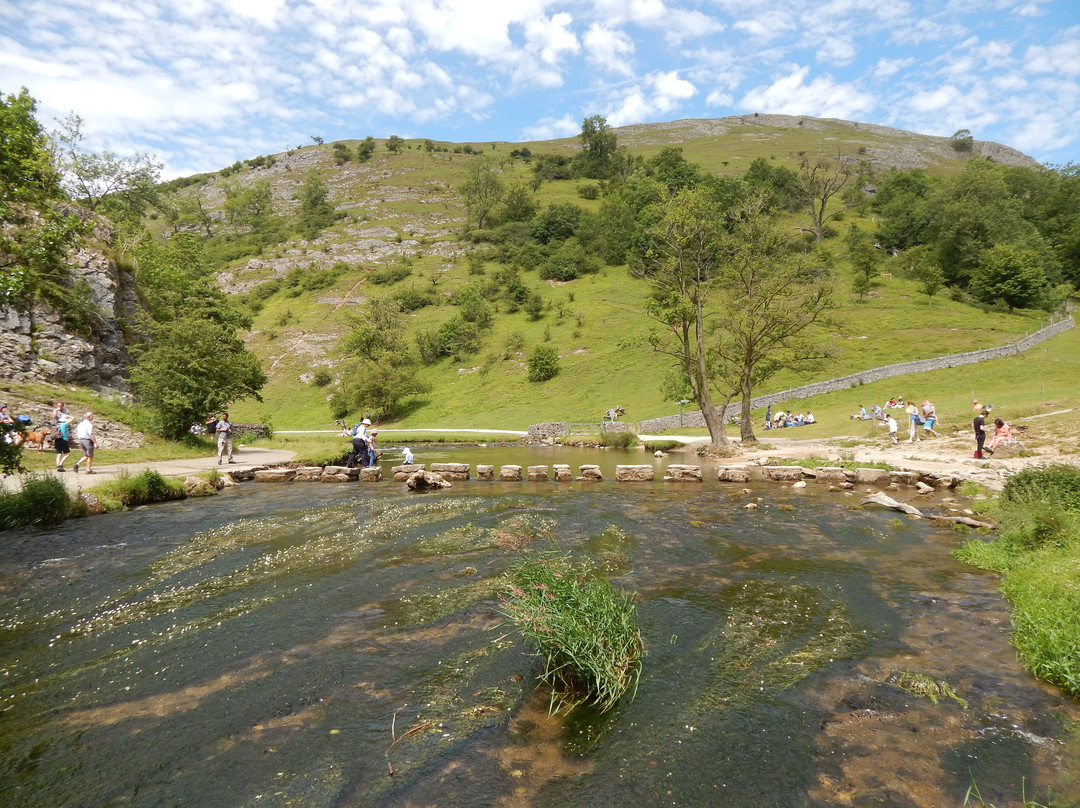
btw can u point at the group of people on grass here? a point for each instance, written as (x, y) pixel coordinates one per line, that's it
(918, 415)
(785, 419)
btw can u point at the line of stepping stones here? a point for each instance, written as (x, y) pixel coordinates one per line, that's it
(835, 476)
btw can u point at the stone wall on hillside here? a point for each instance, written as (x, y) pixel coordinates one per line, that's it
(695, 418)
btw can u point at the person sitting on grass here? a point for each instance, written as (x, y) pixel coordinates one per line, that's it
(810, 419)
(862, 415)
(1002, 434)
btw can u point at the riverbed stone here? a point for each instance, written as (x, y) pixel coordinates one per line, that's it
(426, 481)
(309, 474)
(634, 474)
(562, 472)
(680, 472)
(733, 474)
(510, 474)
(339, 474)
(538, 474)
(198, 487)
(275, 475)
(485, 472)
(402, 473)
(451, 471)
(782, 474)
(589, 472)
(371, 474)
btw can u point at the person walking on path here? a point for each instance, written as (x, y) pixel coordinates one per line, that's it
(223, 430)
(84, 434)
(979, 425)
(914, 419)
(890, 422)
(60, 443)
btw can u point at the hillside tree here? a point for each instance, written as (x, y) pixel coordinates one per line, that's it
(817, 184)
(1010, 274)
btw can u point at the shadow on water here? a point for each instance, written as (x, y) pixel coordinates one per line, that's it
(340, 646)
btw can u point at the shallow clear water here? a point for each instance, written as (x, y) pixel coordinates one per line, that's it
(291, 645)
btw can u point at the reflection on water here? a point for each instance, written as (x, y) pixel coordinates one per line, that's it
(338, 645)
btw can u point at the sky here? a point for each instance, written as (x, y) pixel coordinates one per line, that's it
(201, 84)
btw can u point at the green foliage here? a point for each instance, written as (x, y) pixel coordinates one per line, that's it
(251, 206)
(557, 223)
(570, 260)
(583, 629)
(1009, 274)
(193, 366)
(1036, 550)
(42, 500)
(962, 141)
(390, 275)
(365, 149)
(482, 190)
(394, 144)
(11, 459)
(598, 156)
(27, 172)
(143, 488)
(316, 212)
(619, 440)
(543, 363)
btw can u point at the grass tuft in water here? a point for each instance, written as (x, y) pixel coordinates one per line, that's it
(920, 684)
(140, 489)
(583, 629)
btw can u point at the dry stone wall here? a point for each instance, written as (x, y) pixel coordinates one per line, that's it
(695, 419)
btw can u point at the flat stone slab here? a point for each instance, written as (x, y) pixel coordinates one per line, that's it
(511, 474)
(348, 472)
(485, 472)
(371, 474)
(782, 474)
(309, 474)
(634, 474)
(589, 472)
(402, 473)
(562, 472)
(830, 475)
(337, 477)
(678, 472)
(903, 477)
(733, 474)
(871, 476)
(538, 474)
(451, 471)
(275, 475)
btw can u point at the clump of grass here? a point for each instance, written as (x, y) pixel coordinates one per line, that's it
(140, 489)
(619, 440)
(583, 629)
(42, 500)
(920, 684)
(663, 445)
(1036, 549)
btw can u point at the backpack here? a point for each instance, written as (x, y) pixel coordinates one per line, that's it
(23, 420)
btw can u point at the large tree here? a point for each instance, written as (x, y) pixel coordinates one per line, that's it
(1010, 274)
(598, 158)
(681, 261)
(771, 300)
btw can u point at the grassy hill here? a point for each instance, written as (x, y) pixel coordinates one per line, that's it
(401, 211)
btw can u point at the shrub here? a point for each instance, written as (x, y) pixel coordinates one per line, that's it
(619, 440)
(583, 629)
(321, 378)
(42, 501)
(141, 489)
(1058, 484)
(543, 363)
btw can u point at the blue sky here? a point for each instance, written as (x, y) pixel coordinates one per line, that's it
(201, 84)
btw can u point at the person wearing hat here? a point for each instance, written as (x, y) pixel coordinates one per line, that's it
(359, 454)
(979, 425)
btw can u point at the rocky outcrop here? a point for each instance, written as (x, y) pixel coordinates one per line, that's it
(37, 346)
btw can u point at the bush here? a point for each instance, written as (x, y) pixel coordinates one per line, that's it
(619, 440)
(543, 363)
(583, 629)
(42, 501)
(1057, 484)
(321, 378)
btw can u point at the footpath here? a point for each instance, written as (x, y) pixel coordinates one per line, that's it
(246, 459)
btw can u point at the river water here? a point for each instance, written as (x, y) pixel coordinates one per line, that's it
(339, 645)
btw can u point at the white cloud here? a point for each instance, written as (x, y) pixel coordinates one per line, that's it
(551, 128)
(659, 94)
(822, 97)
(885, 68)
(1062, 58)
(609, 49)
(837, 50)
(263, 12)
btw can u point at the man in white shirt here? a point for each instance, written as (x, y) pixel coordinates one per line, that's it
(223, 430)
(84, 433)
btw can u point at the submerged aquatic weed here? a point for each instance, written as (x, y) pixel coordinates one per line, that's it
(921, 684)
(521, 530)
(432, 606)
(583, 629)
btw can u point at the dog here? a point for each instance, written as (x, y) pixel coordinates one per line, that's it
(39, 437)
